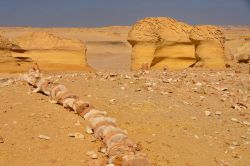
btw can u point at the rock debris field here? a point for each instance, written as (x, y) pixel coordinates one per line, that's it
(188, 117)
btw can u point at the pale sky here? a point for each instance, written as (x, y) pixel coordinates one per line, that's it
(92, 13)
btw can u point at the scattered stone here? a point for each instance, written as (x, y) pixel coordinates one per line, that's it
(218, 113)
(164, 93)
(235, 120)
(1, 140)
(89, 130)
(196, 136)
(76, 135)
(223, 99)
(103, 150)
(235, 143)
(207, 113)
(44, 137)
(127, 77)
(239, 106)
(94, 156)
(235, 155)
(150, 89)
(246, 123)
(110, 165)
(89, 153)
(202, 98)
(112, 101)
(138, 90)
(46, 116)
(193, 118)
(77, 123)
(123, 88)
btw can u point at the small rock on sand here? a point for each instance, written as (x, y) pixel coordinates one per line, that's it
(89, 130)
(218, 113)
(44, 137)
(1, 140)
(76, 135)
(207, 113)
(235, 120)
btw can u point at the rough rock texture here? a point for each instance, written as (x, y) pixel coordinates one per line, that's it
(243, 52)
(209, 46)
(165, 42)
(161, 42)
(47, 41)
(7, 62)
(64, 54)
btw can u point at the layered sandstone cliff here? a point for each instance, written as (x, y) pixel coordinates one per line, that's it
(8, 63)
(53, 53)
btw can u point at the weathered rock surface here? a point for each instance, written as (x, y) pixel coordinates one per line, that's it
(8, 63)
(243, 52)
(209, 46)
(164, 42)
(161, 42)
(53, 53)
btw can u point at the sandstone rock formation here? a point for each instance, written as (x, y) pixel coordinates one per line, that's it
(53, 53)
(243, 52)
(209, 46)
(165, 42)
(7, 62)
(161, 42)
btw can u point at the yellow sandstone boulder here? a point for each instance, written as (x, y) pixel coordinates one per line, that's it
(164, 42)
(161, 42)
(209, 46)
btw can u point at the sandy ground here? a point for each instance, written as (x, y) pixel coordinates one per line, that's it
(191, 117)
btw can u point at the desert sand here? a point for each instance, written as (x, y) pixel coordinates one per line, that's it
(192, 116)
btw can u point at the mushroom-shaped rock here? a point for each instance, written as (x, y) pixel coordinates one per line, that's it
(52, 52)
(209, 46)
(161, 42)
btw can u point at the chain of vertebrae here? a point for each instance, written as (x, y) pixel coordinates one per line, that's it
(120, 150)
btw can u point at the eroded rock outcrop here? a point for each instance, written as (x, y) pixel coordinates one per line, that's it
(161, 42)
(8, 63)
(209, 44)
(53, 53)
(243, 53)
(165, 42)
